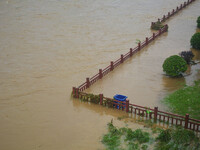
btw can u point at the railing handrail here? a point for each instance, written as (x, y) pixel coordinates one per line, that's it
(126, 56)
(82, 85)
(105, 69)
(141, 106)
(147, 108)
(174, 119)
(174, 11)
(171, 114)
(95, 76)
(157, 113)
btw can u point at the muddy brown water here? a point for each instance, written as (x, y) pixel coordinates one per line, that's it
(46, 47)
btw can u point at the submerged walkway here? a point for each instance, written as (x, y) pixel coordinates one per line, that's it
(148, 113)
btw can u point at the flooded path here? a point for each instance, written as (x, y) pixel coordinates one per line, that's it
(49, 46)
(141, 78)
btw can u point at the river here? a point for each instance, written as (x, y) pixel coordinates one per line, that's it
(49, 46)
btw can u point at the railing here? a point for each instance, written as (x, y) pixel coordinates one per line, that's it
(148, 113)
(90, 81)
(113, 65)
(174, 11)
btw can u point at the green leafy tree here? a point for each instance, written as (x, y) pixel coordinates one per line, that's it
(174, 66)
(198, 22)
(195, 41)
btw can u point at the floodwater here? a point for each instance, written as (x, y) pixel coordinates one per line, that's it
(48, 46)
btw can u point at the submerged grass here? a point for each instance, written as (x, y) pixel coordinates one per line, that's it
(169, 139)
(185, 100)
(138, 136)
(112, 138)
(177, 139)
(131, 139)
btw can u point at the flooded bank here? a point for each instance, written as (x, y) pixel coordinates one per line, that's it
(141, 78)
(49, 46)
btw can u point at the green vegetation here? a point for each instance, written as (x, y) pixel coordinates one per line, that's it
(185, 100)
(157, 25)
(137, 41)
(170, 139)
(164, 136)
(137, 135)
(94, 99)
(174, 66)
(198, 22)
(91, 98)
(130, 139)
(195, 41)
(112, 139)
(177, 139)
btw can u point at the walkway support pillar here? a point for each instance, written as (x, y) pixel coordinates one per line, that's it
(127, 106)
(186, 121)
(168, 14)
(111, 66)
(131, 51)
(87, 82)
(147, 40)
(122, 58)
(74, 92)
(155, 113)
(77, 93)
(139, 46)
(100, 74)
(163, 17)
(101, 99)
(153, 36)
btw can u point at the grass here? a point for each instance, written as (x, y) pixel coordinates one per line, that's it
(185, 100)
(138, 135)
(182, 101)
(170, 139)
(177, 139)
(112, 138)
(131, 139)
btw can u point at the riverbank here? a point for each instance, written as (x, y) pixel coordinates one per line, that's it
(186, 100)
(125, 138)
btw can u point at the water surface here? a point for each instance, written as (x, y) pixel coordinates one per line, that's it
(49, 46)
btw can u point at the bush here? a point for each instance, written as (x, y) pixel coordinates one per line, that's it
(112, 138)
(174, 66)
(198, 19)
(187, 56)
(198, 25)
(116, 138)
(198, 22)
(157, 25)
(195, 41)
(164, 136)
(177, 139)
(137, 135)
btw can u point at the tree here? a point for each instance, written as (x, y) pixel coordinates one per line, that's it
(195, 41)
(174, 66)
(198, 22)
